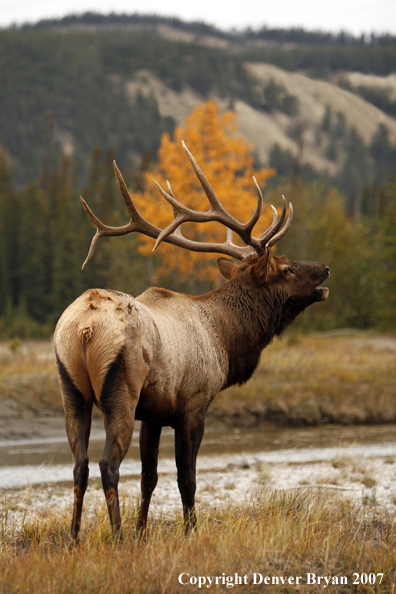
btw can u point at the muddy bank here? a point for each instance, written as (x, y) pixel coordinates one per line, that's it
(309, 413)
(365, 474)
(32, 408)
(17, 424)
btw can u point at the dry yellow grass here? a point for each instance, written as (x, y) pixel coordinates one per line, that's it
(285, 534)
(27, 375)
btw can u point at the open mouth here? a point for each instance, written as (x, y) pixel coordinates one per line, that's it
(322, 293)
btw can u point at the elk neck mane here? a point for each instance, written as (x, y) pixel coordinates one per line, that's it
(246, 319)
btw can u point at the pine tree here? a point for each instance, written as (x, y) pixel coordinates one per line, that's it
(34, 252)
(8, 235)
(67, 279)
(102, 194)
(355, 172)
(387, 261)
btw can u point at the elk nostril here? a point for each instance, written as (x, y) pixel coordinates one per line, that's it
(327, 269)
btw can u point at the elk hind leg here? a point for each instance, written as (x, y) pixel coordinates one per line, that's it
(78, 413)
(118, 401)
(149, 446)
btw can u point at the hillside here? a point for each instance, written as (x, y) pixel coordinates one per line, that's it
(68, 86)
(264, 129)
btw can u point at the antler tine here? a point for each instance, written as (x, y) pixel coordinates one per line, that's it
(98, 234)
(131, 208)
(250, 224)
(136, 223)
(270, 229)
(229, 233)
(275, 225)
(181, 213)
(103, 230)
(214, 202)
(217, 211)
(284, 230)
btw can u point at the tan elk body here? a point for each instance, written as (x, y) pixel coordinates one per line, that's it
(162, 357)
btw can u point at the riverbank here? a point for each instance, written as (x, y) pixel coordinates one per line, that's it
(344, 377)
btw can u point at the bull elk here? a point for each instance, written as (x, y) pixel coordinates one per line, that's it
(162, 357)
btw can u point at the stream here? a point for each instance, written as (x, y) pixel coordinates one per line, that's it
(48, 460)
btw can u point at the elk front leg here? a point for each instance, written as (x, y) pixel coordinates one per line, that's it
(188, 437)
(149, 446)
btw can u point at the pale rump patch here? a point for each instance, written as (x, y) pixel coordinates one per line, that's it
(90, 335)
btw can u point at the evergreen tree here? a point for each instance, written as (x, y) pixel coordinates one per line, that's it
(8, 235)
(327, 119)
(34, 252)
(102, 194)
(387, 264)
(67, 280)
(384, 155)
(355, 172)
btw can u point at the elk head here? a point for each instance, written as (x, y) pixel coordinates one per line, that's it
(289, 276)
(295, 281)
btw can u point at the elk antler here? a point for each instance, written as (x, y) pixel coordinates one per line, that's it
(172, 234)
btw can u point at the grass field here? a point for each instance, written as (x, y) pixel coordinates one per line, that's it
(301, 380)
(284, 534)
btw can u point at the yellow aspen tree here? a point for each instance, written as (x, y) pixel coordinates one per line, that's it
(227, 161)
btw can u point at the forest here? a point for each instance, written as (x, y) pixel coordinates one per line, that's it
(347, 222)
(45, 233)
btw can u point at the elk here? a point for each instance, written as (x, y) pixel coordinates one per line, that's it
(162, 357)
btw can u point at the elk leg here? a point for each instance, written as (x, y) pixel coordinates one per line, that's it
(78, 413)
(149, 446)
(119, 429)
(78, 439)
(188, 437)
(119, 396)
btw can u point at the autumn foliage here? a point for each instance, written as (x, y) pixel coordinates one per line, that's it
(227, 161)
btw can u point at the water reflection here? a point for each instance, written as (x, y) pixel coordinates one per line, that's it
(27, 462)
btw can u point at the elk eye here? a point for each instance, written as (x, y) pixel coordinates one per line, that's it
(287, 270)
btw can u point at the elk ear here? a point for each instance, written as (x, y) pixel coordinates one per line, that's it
(227, 267)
